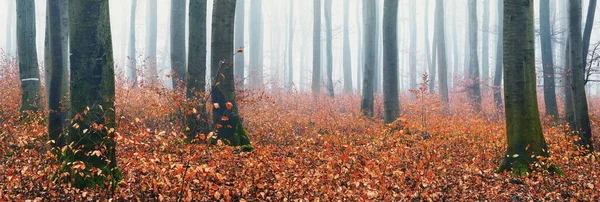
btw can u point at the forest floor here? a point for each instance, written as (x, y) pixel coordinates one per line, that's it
(307, 148)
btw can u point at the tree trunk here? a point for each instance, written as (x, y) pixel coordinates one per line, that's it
(92, 94)
(523, 127)
(547, 60)
(256, 45)
(27, 52)
(378, 47)
(370, 56)
(197, 121)
(225, 113)
(587, 32)
(55, 121)
(582, 119)
(391, 103)
(151, 31)
(428, 54)
(485, 43)
(359, 51)
(347, 63)
(9, 29)
(238, 62)
(177, 42)
(132, 72)
(499, 57)
(568, 90)
(328, 49)
(475, 89)
(316, 74)
(290, 71)
(455, 51)
(441, 48)
(413, 46)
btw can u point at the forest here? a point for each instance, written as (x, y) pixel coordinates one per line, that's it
(299, 100)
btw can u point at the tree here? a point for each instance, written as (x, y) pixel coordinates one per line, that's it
(256, 44)
(347, 63)
(369, 58)
(92, 112)
(473, 73)
(9, 30)
(499, 56)
(523, 127)
(57, 67)
(225, 113)
(316, 74)
(441, 48)
(587, 32)
(359, 44)
(197, 121)
(131, 72)
(328, 49)
(177, 41)
(485, 42)
(391, 103)
(413, 45)
(290, 52)
(151, 31)
(582, 119)
(28, 63)
(547, 60)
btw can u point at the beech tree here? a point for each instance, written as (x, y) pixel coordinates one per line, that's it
(316, 70)
(391, 103)
(178, 66)
(547, 60)
(369, 58)
(132, 72)
(27, 52)
(473, 73)
(197, 121)
(441, 51)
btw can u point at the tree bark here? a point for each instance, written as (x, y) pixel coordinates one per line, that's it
(347, 63)
(238, 59)
(370, 56)
(55, 121)
(177, 42)
(360, 56)
(9, 29)
(413, 46)
(499, 57)
(27, 52)
(547, 60)
(441, 48)
(485, 43)
(132, 72)
(474, 79)
(92, 93)
(197, 121)
(582, 119)
(587, 32)
(151, 31)
(391, 103)
(328, 49)
(523, 126)
(316, 74)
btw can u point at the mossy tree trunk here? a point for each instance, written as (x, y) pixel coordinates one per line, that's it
(27, 52)
(226, 117)
(523, 127)
(582, 119)
(391, 104)
(92, 112)
(370, 57)
(177, 42)
(197, 120)
(57, 68)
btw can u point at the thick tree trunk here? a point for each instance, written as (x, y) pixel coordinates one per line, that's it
(547, 60)
(347, 62)
(197, 121)
(523, 126)
(582, 119)
(55, 121)
(177, 42)
(225, 113)
(92, 94)
(474, 79)
(328, 49)
(441, 48)
(132, 72)
(391, 103)
(238, 59)
(499, 57)
(316, 71)
(151, 31)
(256, 45)
(413, 46)
(27, 52)
(370, 56)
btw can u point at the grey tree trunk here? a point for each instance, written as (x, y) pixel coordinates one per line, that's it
(441, 51)
(378, 47)
(57, 66)
(92, 92)
(360, 56)
(197, 123)
(391, 103)
(413, 46)
(369, 20)
(582, 119)
(587, 32)
(256, 45)
(428, 54)
(474, 88)
(223, 87)
(178, 42)
(568, 90)
(132, 72)
(151, 31)
(547, 60)
(316, 74)
(328, 49)
(27, 52)
(499, 57)
(523, 126)
(238, 59)
(347, 63)
(485, 43)
(9, 29)
(455, 51)
(290, 52)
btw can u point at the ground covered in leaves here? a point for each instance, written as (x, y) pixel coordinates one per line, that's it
(307, 148)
